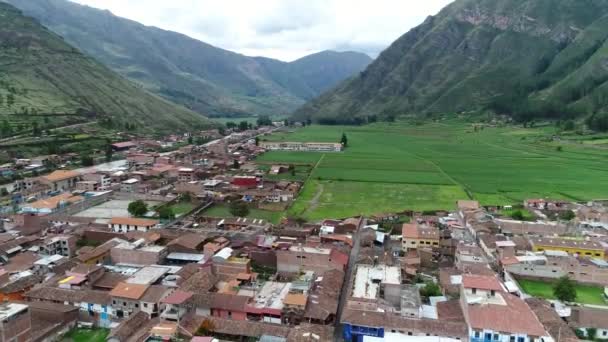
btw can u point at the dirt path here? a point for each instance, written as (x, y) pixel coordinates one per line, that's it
(314, 202)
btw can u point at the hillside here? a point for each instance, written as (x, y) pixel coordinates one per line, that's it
(42, 77)
(525, 58)
(197, 75)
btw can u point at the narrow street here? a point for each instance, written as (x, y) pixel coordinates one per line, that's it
(352, 260)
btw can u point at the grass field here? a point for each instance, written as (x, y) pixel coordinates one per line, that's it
(182, 208)
(584, 294)
(223, 211)
(86, 335)
(393, 167)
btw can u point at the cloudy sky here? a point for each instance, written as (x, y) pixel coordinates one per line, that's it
(282, 29)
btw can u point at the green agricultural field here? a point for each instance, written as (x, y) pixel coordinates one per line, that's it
(585, 294)
(394, 167)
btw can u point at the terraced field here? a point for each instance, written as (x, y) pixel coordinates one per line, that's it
(395, 167)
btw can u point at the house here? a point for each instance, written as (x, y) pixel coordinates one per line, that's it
(130, 185)
(123, 146)
(415, 236)
(176, 305)
(278, 169)
(60, 244)
(52, 204)
(582, 248)
(126, 298)
(229, 306)
(102, 180)
(586, 318)
(492, 314)
(61, 180)
(99, 254)
(15, 322)
(151, 301)
(138, 254)
(129, 224)
(316, 259)
(186, 174)
(245, 181)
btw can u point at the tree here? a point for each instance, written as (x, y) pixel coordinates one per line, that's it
(285, 122)
(36, 131)
(86, 160)
(565, 289)
(109, 151)
(239, 209)
(10, 100)
(344, 140)
(430, 290)
(186, 197)
(6, 128)
(292, 169)
(190, 140)
(567, 215)
(264, 120)
(569, 125)
(257, 141)
(243, 126)
(591, 333)
(559, 148)
(221, 130)
(137, 208)
(166, 213)
(3, 192)
(231, 125)
(235, 164)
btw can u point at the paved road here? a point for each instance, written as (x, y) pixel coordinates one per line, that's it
(352, 260)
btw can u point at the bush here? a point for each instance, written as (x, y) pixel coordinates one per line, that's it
(565, 289)
(166, 213)
(239, 209)
(567, 215)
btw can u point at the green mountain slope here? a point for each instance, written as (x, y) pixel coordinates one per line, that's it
(526, 58)
(42, 77)
(189, 72)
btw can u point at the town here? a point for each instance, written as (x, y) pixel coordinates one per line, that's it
(184, 244)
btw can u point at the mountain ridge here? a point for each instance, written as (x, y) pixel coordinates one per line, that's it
(517, 57)
(42, 77)
(189, 72)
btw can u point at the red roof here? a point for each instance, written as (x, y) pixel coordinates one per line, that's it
(177, 297)
(482, 282)
(514, 318)
(338, 257)
(124, 144)
(409, 231)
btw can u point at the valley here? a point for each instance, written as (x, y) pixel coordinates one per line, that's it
(395, 167)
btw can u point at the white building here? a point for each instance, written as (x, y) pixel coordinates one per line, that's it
(129, 224)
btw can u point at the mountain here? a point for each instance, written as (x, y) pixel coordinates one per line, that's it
(197, 75)
(42, 77)
(525, 58)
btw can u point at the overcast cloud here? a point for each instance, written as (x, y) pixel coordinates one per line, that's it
(282, 29)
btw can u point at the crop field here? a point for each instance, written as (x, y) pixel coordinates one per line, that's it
(394, 167)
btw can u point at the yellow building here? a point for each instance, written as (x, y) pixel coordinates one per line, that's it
(582, 248)
(415, 236)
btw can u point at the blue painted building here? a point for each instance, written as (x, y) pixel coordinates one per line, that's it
(355, 333)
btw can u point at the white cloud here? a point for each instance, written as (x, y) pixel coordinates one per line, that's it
(283, 29)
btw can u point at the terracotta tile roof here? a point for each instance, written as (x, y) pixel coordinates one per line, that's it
(557, 328)
(133, 221)
(416, 326)
(125, 329)
(96, 252)
(247, 328)
(584, 317)
(191, 241)
(202, 281)
(68, 295)
(60, 175)
(228, 302)
(513, 318)
(155, 293)
(109, 280)
(130, 291)
(53, 202)
(298, 299)
(567, 243)
(177, 297)
(414, 231)
(304, 332)
(450, 311)
(21, 262)
(481, 282)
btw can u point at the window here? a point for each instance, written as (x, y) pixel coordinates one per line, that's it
(136, 305)
(474, 291)
(597, 254)
(512, 339)
(604, 333)
(477, 334)
(496, 337)
(124, 303)
(409, 333)
(493, 293)
(413, 242)
(114, 301)
(145, 305)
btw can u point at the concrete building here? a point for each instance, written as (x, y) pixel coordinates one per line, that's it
(61, 180)
(126, 298)
(129, 224)
(415, 236)
(582, 248)
(138, 254)
(302, 258)
(129, 185)
(227, 266)
(186, 174)
(301, 146)
(15, 322)
(61, 244)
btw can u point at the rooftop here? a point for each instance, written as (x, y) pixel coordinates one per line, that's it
(368, 279)
(133, 221)
(8, 310)
(312, 250)
(271, 295)
(60, 175)
(148, 275)
(566, 243)
(130, 291)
